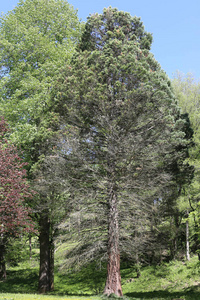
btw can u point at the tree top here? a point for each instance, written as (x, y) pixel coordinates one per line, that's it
(102, 27)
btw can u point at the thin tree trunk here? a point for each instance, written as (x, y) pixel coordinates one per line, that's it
(44, 278)
(2, 262)
(113, 282)
(187, 239)
(137, 265)
(30, 246)
(196, 238)
(79, 221)
(174, 240)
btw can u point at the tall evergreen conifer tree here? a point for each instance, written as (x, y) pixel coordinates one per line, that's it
(122, 112)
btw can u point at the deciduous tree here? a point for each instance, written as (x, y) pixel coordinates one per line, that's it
(37, 38)
(14, 190)
(187, 90)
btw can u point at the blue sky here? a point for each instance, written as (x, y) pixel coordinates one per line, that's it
(175, 25)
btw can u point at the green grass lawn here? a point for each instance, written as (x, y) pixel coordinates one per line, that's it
(42, 297)
(175, 280)
(7, 296)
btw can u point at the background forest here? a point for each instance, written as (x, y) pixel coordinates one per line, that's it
(99, 151)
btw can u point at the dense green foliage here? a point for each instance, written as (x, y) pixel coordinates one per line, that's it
(14, 190)
(125, 133)
(108, 150)
(37, 38)
(187, 91)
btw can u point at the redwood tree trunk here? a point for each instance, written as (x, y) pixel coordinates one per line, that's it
(113, 282)
(44, 273)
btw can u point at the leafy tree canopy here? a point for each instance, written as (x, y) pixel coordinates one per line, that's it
(14, 190)
(37, 38)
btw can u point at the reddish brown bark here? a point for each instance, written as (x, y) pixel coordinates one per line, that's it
(113, 282)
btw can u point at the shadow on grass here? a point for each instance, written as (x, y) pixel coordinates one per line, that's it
(87, 281)
(165, 295)
(20, 281)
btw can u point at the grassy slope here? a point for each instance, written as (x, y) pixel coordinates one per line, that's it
(176, 280)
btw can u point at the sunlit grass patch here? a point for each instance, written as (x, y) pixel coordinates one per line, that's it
(7, 296)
